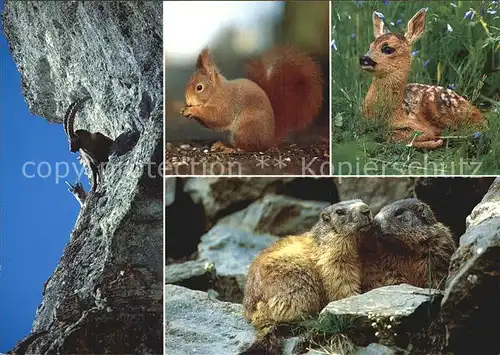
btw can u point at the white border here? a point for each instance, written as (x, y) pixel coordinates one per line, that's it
(330, 111)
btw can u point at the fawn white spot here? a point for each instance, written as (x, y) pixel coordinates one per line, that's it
(122, 273)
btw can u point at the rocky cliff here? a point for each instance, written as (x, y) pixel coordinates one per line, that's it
(105, 295)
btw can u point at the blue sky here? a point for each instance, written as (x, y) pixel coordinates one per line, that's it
(36, 214)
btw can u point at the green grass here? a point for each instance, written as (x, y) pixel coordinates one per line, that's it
(467, 57)
(328, 332)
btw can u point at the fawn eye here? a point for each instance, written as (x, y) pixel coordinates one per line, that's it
(340, 212)
(199, 87)
(387, 50)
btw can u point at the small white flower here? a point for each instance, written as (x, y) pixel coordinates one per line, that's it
(450, 29)
(377, 334)
(472, 279)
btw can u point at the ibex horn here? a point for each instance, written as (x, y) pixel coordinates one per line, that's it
(69, 117)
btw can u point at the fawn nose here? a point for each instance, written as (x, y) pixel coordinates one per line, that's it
(366, 61)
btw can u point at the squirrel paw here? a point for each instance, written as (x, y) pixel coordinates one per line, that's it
(188, 111)
(185, 112)
(222, 148)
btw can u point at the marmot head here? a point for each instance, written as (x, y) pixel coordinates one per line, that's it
(409, 223)
(344, 219)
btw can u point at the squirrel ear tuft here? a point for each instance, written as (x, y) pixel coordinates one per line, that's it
(205, 61)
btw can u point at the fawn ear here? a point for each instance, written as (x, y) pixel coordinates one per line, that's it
(378, 24)
(206, 64)
(416, 26)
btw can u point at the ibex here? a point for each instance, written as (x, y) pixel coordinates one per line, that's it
(94, 147)
(410, 107)
(78, 191)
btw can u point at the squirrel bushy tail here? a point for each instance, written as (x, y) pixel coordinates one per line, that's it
(293, 84)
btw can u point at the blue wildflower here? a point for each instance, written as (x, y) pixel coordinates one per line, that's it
(450, 29)
(426, 63)
(414, 53)
(492, 12)
(469, 14)
(451, 86)
(359, 2)
(334, 45)
(379, 15)
(477, 135)
(353, 35)
(483, 13)
(399, 21)
(386, 2)
(392, 24)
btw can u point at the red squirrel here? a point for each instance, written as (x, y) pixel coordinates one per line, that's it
(283, 92)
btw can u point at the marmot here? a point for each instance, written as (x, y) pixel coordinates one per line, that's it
(299, 275)
(409, 245)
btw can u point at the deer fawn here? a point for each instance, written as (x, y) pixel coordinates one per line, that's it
(410, 107)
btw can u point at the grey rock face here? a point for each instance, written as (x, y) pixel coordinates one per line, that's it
(472, 292)
(192, 271)
(105, 296)
(170, 186)
(232, 249)
(110, 50)
(406, 309)
(376, 192)
(196, 324)
(217, 194)
(277, 215)
(377, 349)
(202, 275)
(488, 208)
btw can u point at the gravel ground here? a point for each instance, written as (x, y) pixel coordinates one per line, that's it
(289, 159)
